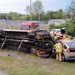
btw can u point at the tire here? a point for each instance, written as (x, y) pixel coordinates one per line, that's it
(42, 56)
(63, 57)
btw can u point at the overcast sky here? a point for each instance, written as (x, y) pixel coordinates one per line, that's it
(20, 5)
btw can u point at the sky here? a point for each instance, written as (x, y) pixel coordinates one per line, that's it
(19, 6)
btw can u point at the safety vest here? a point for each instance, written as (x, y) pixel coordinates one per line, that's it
(65, 37)
(58, 47)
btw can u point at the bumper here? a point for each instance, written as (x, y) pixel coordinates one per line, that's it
(70, 58)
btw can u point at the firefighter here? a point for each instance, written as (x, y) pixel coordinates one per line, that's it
(12, 27)
(57, 36)
(65, 37)
(58, 50)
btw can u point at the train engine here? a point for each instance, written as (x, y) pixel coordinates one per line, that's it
(39, 42)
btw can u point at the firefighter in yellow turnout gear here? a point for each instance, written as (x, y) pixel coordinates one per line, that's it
(65, 37)
(58, 48)
(57, 36)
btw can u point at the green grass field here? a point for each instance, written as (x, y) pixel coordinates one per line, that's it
(24, 64)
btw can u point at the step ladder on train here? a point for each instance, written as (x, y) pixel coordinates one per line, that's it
(6, 39)
(3, 42)
(19, 47)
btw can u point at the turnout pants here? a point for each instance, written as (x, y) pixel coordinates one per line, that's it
(58, 56)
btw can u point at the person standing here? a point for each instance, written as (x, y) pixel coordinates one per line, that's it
(57, 35)
(58, 50)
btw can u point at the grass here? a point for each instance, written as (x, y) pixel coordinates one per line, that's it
(14, 66)
(31, 65)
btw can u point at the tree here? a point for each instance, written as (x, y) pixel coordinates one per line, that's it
(49, 14)
(15, 16)
(27, 9)
(43, 16)
(60, 13)
(22, 17)
(36, 9)
(52, 26)
(3, 16)
(71, 9)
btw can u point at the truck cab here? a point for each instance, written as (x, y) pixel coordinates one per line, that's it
(29, 26)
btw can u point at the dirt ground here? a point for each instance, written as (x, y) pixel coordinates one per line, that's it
(3, 73)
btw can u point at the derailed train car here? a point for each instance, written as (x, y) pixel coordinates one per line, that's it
(39, 42)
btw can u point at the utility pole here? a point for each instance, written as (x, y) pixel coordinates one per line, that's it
(30, 11)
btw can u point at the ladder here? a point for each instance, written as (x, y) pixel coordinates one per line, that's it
(19, 46)
(3, 42)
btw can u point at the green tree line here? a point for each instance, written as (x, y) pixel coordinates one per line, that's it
(43, 16)
(36, 12)
(14, 16)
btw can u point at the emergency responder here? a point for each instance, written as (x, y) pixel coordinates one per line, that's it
(12, 27)
(63, 30)
(57, 36)
(65, 37)
(58, 50)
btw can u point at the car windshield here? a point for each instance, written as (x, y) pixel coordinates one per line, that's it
(25, 26)
(71, 44)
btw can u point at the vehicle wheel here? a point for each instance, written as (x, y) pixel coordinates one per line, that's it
(42, 56)
(63, 57)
